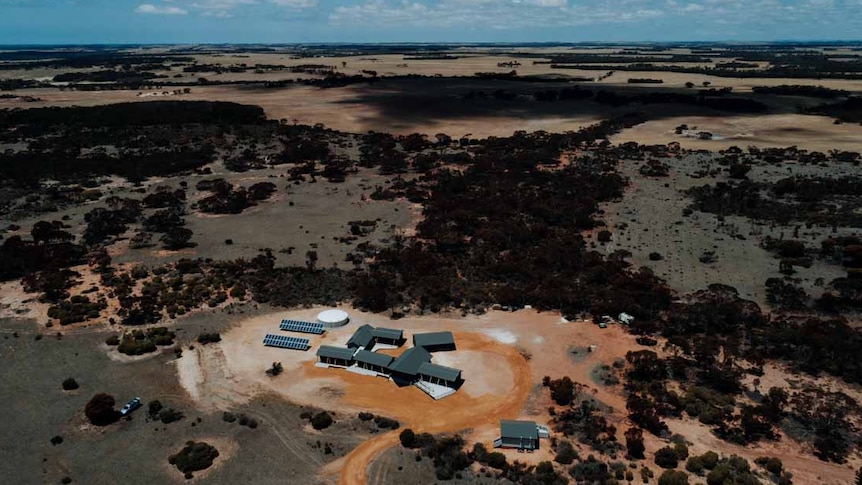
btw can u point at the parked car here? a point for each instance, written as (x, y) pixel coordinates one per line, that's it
(130, 406)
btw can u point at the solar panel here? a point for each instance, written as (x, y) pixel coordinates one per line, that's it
(286, 342)
(302, 327)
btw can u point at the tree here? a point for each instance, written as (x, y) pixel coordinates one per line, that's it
(176, 238)
(666, 457)
(100, 410)
(635, 443)
(408, 438)
(562, 391)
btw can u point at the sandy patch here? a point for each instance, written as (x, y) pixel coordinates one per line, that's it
(501, 335)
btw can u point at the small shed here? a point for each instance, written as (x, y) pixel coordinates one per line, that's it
(434, 341)
(522, 435)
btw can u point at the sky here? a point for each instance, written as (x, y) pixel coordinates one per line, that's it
(311, 21)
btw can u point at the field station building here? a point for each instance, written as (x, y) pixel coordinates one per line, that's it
(412, 367)
(435, 341)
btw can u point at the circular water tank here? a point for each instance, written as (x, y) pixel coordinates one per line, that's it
(333, 318)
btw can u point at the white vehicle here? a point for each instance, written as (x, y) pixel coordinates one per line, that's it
(130, 406)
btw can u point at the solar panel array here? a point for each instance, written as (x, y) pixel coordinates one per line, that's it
(286, 342)
(302, 327)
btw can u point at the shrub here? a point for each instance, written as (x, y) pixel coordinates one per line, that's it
(709, 459)
(321, 420)
(206, 338)
(366, 416)
(666, 457)
(773, 465)
(695, 465)
(56, 440)
(673, 477)
(66, 480)
(565, 453)
(275, 370)
(497, 460)
(193, 457)
(153, 408)
(113, 340)
(635, 443)
(100, 410)
(604, 236)
(681, 451)
(70, 384)
(386, 423)
(228, 417)
(170, 415)
(480, 453)
(655, 256)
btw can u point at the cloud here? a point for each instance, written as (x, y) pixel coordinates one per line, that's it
(295, 3)
(496, 14)
(147, 8)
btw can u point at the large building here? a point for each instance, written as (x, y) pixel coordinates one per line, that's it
(412, 367)
(435, 341)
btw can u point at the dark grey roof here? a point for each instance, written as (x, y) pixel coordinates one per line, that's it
(439, 371)
(432, 339)
(388, 333)
(410, 361)
(519, 429)
(335, 352)
(372, 358)
(362, 336)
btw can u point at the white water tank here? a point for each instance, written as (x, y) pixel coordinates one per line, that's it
(333, 318)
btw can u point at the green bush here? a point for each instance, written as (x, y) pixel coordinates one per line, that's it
(666, 457)
(497, 460)
(70, 384)
(408, 438)
(207, 338)
(170, 415)
(566, 453)
(321, 420)
(673, 477)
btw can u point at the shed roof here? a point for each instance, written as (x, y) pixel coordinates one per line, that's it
(335, 352)
(388, 333)
(433, 339)
(372, 358)
(519, 429)
(410, 361)
(362, 336)
(439, 371)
